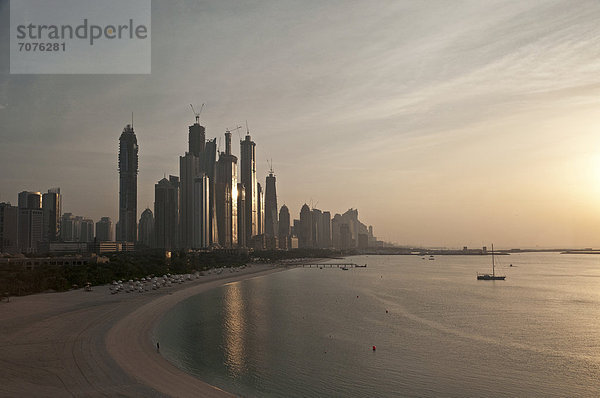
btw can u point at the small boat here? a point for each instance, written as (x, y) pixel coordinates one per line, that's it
(345, 268)
(360, 266)
(431, 257)
(493, 276)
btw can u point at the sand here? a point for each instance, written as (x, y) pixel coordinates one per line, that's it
(95, 344)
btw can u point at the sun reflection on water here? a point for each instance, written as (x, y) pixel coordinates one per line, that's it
(234, 330)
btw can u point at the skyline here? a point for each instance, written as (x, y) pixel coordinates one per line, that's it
(444, 125)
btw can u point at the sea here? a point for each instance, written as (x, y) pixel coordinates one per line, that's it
(404, 326)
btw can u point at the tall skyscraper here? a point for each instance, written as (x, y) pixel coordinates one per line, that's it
(209, 167)
(317, 228)
(199, 161)
(271, 220)
(201, 212)
(226, 196)
(241, 205)
(128, 170)
(260, 210)
(146, 229)
(326, 229)
(104, 230)
(31, 221)
(51, 206)
(166, 213)
(284, 227)
(189, 168)
(248, 178)
(305, 235)
(9, 228)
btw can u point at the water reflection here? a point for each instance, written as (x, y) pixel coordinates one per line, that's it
(234, 330)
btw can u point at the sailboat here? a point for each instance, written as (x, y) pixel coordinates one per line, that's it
(493, 276)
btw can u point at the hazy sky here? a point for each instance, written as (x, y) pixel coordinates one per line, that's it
(445, 123)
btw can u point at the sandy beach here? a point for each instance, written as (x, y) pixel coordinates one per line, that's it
(96, 344)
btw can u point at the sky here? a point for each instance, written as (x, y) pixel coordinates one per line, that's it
(447, 124)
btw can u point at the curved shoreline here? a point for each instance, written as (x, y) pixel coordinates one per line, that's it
(95, 344)
(129, 342)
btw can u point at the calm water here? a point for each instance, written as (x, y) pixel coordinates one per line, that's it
(310, 332)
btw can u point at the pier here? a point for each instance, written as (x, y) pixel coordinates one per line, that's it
(332, 265)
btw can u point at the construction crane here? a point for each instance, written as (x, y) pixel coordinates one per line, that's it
(235, 129)
(197, 114)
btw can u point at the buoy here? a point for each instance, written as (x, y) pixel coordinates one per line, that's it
(374, 348)
(386, 311)
(356, 296)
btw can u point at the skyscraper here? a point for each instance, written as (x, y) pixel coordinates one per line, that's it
(199, 161)
(104, 230)
(209, 167)
(317, 228)
(189, 168)
(166, 213)
(326, 229)
(260, 210)
(201, 213)
(128, 169)
(146, 229)
(68, 229)
(51, 206)
(284, 227)
(226, 196)
(241, 205)
(305, 235)
(9, 228)
(31, 220)
(248, 178)
(271, 229)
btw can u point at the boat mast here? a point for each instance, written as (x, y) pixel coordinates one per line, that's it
(493, 265)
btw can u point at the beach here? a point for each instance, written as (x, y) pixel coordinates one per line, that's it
(95, 344)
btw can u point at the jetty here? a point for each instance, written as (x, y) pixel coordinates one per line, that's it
(332, 265)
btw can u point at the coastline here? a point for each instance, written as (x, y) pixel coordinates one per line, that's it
(129, 342)
(96, 344)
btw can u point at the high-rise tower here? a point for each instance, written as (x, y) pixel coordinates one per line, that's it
(51, 206)
(201, 212)
(209, 167)
(166, 213)
(260, 210)
(271, 229)
(241, 205)
(146, 229)
(284, 227)
(189, 169)
(226, 196)
(31, 221)
(9, 228)
(305, 235)
(199, 161)
(248, 178)
(128, 170)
